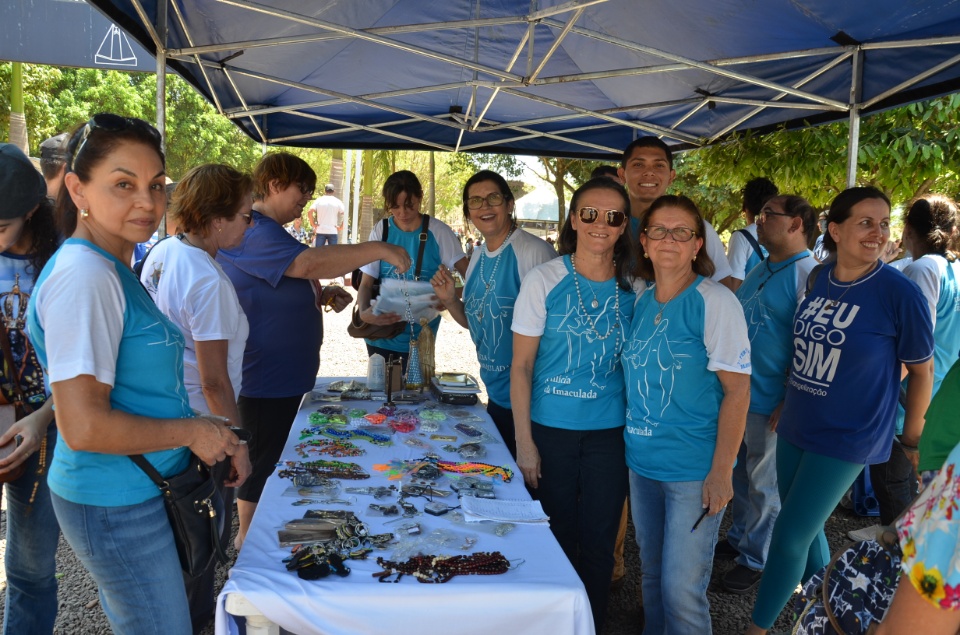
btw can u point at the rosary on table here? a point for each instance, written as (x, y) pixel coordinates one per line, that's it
(430, 469)
(335, 448)
(322, 469)
(440, 569)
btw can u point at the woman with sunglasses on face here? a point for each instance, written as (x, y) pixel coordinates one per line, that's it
(28, 238)
(211, 205)
(491, 288)
(115, 365)
(567, 391)
(860, 324)
(688, 390)
(402, 197)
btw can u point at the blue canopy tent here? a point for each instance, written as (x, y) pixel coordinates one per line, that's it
(546, 77)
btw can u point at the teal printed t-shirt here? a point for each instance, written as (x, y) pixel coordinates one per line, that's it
(673, 392)
(577, 377)
(490, 309)
(89, 315)
(769, 296)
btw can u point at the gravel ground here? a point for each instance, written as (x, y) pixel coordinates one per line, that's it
(80, 611)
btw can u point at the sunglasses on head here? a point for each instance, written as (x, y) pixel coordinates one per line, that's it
(614, 217)
(112, 123)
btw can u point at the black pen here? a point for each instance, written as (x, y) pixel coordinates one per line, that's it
(699, 520)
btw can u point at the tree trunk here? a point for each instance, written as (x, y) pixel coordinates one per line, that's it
(18, 120)
(368, 215)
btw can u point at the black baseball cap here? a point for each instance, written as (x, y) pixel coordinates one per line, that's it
(21, 186)
(55, 148)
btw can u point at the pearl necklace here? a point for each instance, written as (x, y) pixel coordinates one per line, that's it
(663, 305)
(583, 309)
(488, 284)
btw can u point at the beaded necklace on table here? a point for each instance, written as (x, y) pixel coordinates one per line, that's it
(583, 309)
(488, 284)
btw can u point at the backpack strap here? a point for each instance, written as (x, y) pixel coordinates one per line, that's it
(424, 234)
(812, 279)
(753, 242)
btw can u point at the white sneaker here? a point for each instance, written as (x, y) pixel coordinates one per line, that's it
(867, 533)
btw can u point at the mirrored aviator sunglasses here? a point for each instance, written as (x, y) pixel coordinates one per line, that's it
(614, 217)
(110, 122)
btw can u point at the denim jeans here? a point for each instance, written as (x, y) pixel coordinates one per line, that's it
(32, 537)
(894, 484)
(324, 239)
(756, 501)
(582, 487)
(675, 562)
(130, 553)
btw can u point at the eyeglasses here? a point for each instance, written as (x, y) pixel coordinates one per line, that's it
(112, 123)
(614, 217)
(492, 200)
(305, 189)
(766, 211)
(680, 234)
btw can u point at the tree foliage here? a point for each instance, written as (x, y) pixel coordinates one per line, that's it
(60, 99)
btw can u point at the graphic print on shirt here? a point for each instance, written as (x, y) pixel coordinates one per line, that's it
(577, 329)
(756, 314)
(492, 320)
(13, 304)
(819, 333)
(656, 355)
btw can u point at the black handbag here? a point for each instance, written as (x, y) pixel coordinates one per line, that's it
(363, 330)
(194, 507)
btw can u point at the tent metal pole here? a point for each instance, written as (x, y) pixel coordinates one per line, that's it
(346, 194)
(913, 80)
(853, 140)
(556, 44)
(162, 90)
(196, 58)
(357, 162)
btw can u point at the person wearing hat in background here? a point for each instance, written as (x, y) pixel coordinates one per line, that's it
(28, 237)
(326, 216)
(53, 159)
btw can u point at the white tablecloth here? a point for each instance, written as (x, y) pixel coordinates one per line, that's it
(541, 595)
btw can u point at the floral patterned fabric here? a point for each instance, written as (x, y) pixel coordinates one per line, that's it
(930, 537)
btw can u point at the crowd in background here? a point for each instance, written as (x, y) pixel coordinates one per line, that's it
(637, 366)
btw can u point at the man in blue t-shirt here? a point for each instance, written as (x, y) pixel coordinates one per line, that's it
(769, 295)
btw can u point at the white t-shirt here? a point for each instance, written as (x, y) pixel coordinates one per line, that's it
(328, 210)
(740, 251)
(192, 290)
(714, 247)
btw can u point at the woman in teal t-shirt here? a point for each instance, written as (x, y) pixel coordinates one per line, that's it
(687, 367)
(115, 365)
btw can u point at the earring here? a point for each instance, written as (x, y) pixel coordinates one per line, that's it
(84, 213)
(694, 258)
(646, 255)
(219, 229)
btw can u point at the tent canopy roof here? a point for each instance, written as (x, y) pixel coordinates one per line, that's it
(565, 78)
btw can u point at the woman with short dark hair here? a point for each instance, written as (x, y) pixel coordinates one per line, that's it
(492, 283)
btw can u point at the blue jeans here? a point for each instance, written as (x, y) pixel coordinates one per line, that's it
(810, 486)
(675, 563)
(131, 555)
(32, 537)
(324, 239)
(756, 501)
(582, 487)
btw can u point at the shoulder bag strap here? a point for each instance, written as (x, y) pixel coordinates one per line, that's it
(20, 398)
(753, 243)
(151, 471)
(424, 234)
